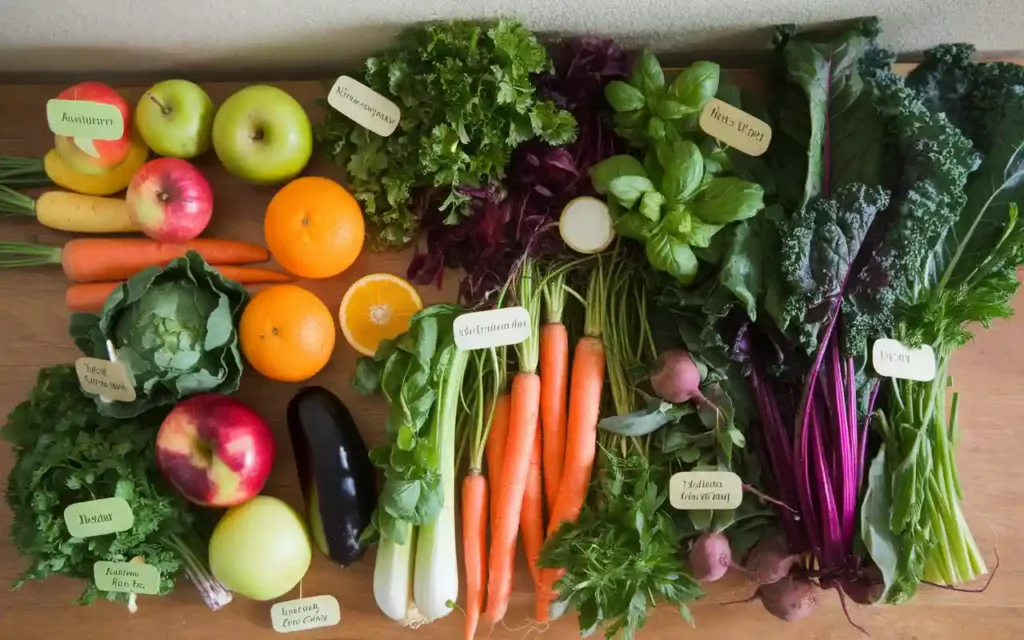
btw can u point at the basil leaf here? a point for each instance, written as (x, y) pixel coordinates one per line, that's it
(684, 170)
(671, 109)
(602, 173)
(647, 75)
(696, 85)
(623, 97)
(678, 222)
(634, 226)
(628, 189)
(701, 232)
(653, 167)
(650, 205)
(729, 199)
(665, 253)
(656, 128)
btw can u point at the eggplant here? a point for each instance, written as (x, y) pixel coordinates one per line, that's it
(339, 484)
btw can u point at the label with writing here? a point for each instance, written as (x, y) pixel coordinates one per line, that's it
(84, 119)
(98, 517)
(364, 106)
(893, 359)
(127, 577)
(735, 127)
(705, 490)
(104, 378)
(493, 328)
(305, 613)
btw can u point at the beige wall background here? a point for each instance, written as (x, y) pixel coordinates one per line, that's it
(62, 36)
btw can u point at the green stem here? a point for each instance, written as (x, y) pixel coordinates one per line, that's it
(553, 291)
(214, 594)
(13, 202)
(527, 293)
(24, 254)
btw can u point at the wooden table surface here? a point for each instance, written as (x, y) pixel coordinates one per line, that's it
(33, 324)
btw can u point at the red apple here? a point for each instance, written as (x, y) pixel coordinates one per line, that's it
(95, 157)
(170, 200)
(215, 450)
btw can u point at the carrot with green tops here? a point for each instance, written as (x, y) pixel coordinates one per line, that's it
(99, 259)
(523, 427)
(531, 523)
(554, 378)
(496, 449)
(586, 385)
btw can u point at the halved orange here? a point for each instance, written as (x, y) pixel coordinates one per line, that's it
(377, 307)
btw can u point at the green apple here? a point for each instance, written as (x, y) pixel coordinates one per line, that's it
(260, 549)
(263, 135)
(175, 118)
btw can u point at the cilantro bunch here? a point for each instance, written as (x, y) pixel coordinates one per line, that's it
(467, 102)
(67, 452)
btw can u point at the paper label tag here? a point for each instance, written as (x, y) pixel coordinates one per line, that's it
(305, 613)
(105, 378)
(493, 328)
(98, 517)
(705, 490)
(893, 359)
(127, 577)
(364, 106)
(85, 119)
(735, 127)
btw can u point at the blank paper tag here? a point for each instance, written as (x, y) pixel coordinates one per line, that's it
(735, 127)
(305, 613)
(364, 106)
(98, 517)
(84, 119)
(494, 328)
(893, 359)
(104, 378)
(705, 490)
(127, 577)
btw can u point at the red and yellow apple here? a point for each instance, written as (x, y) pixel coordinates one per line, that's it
(170, 200)
(95, 157)
(215, 450)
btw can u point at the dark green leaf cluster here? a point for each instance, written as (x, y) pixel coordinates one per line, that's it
(67, 452)
(408, 371)
(467, 102)
(621, 558)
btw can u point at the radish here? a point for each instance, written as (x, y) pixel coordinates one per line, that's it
(586, 225)
(710, 556)
(677, 378)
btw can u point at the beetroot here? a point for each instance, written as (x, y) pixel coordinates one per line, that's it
(791, 598)
(866, 588)
(676, 378)
(770, 560)
(710, 556)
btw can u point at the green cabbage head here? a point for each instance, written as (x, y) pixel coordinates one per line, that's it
(174, 328)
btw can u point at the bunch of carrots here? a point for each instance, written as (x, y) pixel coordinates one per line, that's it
(540, 447)
(96, 266)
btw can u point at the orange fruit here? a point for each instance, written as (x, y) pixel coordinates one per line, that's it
(377, 307)
(286, 333)
(314, 227)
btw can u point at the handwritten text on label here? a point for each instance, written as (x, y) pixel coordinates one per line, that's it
(705, 490)
(893, 359)
(493, 328)
(84, 119)
(127, 577)
(305, 613)
(735, 127)
(364, 106)
(105, 378)
(98, 517)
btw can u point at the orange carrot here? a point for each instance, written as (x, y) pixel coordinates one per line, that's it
(581, 443)
(495, 451)
(252, 275)
(523, 430)
(99, 259)
(554, 378)
(531, 523)
(474, 546)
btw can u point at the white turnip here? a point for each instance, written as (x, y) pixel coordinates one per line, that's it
(790, 599)
(676, 378)
(770, 561)
(710, 556)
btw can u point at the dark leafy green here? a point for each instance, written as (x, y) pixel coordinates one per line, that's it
(67, 452)
(174, 329)
(467, 101)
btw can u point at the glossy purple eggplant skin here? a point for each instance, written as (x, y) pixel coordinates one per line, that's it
(333, 460)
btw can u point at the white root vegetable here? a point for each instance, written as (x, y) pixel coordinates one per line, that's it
(586, 225)
(393, 577)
